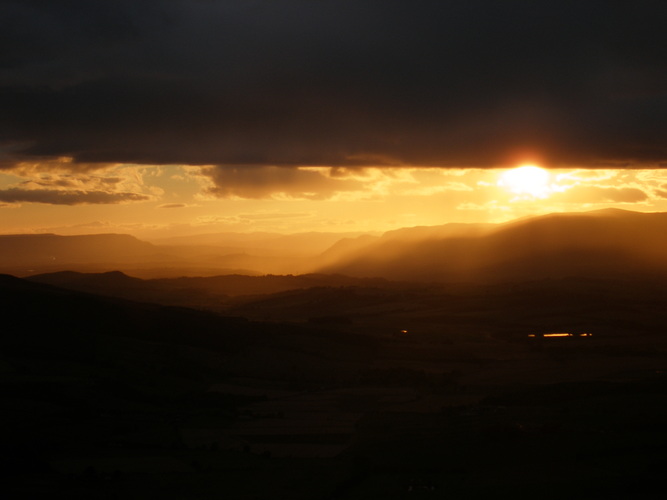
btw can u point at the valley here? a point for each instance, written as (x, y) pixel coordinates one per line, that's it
(333, 386)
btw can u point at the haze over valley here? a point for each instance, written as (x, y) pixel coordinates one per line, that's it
(608, 242)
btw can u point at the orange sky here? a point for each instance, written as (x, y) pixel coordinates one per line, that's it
(174, 200)
(182, 117)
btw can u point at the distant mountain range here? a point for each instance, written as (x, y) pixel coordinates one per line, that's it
(600, 243)
(199, 255)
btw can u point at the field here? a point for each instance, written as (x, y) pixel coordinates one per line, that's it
(447, 396)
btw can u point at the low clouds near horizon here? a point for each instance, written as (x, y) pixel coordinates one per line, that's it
(69, 197)
(334, 83)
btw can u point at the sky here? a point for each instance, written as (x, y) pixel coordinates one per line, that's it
(175, 117)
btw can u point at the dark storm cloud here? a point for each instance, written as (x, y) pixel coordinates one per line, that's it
(298, 82)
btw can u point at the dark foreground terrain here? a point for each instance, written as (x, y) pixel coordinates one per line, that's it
(381, 390)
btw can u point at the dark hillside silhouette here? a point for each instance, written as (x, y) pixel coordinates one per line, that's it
(390, 391)
(58, 322)
(213, 292)
(52, 319)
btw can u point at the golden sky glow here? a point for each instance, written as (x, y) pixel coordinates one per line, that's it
(155, 201)
(181, 116)
(527, 180)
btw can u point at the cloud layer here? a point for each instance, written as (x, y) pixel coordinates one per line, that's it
(64, 182)
(334, 83)
(69, 197)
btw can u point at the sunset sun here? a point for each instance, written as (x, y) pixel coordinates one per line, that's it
(527, 180)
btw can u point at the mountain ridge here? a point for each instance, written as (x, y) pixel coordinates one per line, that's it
(553, 245)
(606, 240)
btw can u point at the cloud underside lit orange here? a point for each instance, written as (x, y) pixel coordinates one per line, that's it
(132, 198)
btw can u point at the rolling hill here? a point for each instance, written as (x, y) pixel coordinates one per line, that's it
(600, 243)
(108, 398)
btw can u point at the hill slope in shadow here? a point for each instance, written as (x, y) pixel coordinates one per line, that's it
(106, 398)
(599, 243)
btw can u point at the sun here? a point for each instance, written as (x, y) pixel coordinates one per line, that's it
(527, 181)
